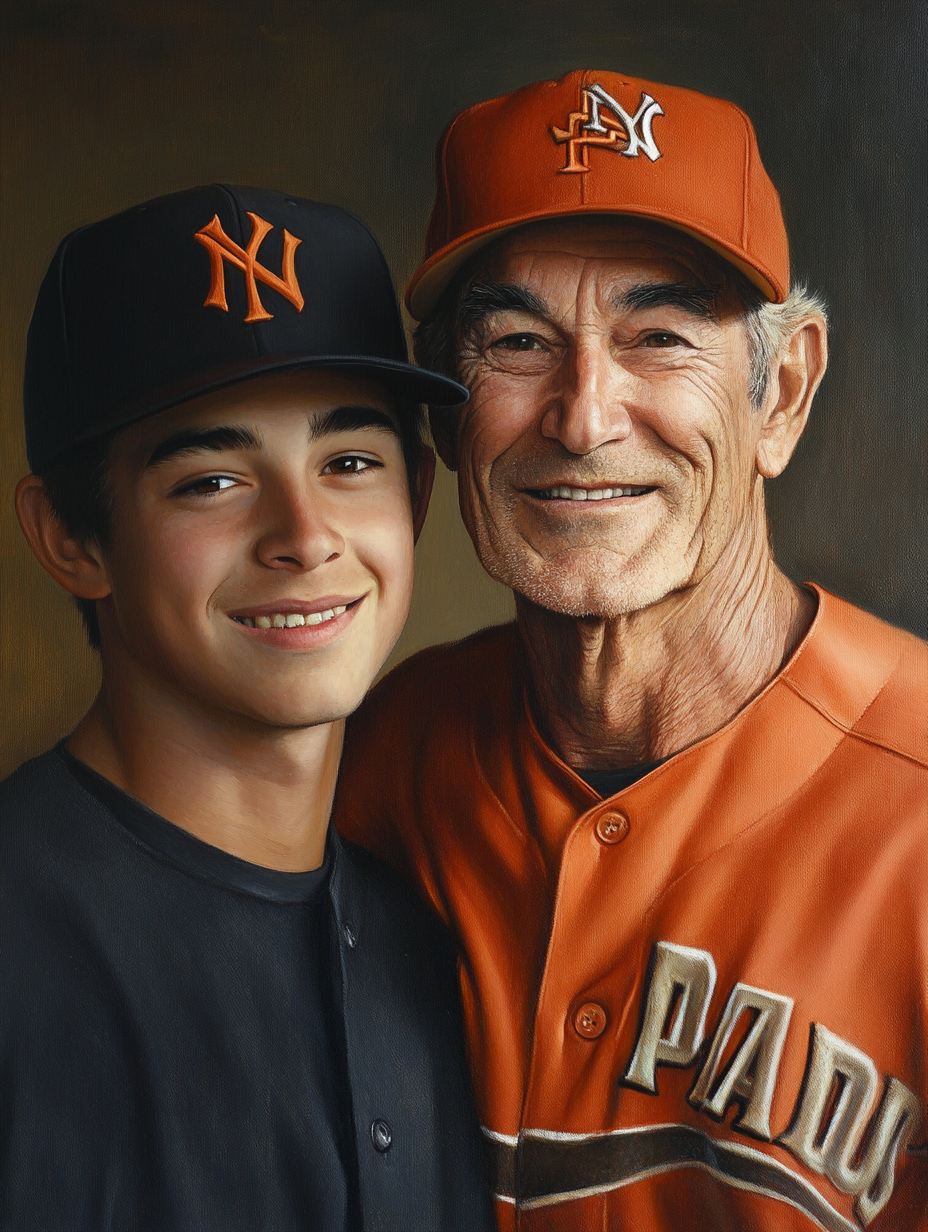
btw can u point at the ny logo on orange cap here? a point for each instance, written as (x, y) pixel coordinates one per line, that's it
(593, 125)
(222, 249)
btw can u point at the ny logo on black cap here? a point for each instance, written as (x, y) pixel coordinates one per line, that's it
(222, 249)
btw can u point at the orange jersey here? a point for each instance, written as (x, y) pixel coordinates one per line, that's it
(702, 1003)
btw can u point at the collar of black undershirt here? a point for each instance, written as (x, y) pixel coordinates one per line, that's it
(191, 854)
(610, 782)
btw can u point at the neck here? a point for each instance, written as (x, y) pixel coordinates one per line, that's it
(261, 793)
(618, 692)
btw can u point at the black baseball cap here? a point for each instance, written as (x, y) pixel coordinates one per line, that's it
(202, 289)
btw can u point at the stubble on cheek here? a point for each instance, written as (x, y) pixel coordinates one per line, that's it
(591, 568)
(693, 445)
(485, 442)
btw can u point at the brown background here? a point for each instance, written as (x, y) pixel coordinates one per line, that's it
(108, 102)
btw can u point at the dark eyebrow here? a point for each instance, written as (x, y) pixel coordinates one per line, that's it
(697, 301)
(198, 440)
(488, 296)
(216, 440)
(350, 419)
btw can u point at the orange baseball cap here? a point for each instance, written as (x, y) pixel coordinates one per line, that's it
(602, 143)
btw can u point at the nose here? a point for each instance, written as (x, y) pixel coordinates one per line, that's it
(297, 532)
(588, 409)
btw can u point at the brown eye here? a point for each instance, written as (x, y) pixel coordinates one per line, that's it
(518, 342)
(349, 464)
(662, 340)
(208, 485)
(521, 354)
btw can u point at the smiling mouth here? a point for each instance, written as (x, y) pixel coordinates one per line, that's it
(586, 494)
(288, 619)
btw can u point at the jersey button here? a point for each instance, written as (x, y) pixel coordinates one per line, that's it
(381, 1135)
(611, 828)
(590, 1020)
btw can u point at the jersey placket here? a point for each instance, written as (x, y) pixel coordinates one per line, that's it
(621, 860)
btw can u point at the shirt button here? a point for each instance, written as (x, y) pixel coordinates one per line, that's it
(590, 1020)
(381, 1135)
(611, 828)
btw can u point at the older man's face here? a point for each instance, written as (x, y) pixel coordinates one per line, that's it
(607, 455)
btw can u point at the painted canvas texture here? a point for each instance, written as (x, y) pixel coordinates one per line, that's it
(108, 104)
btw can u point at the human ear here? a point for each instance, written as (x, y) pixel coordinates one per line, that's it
(444, 424)
(425, 477)
(74, 564)
(793, 381)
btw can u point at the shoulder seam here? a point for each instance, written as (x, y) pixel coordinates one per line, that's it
(921, 762)
(886, 745)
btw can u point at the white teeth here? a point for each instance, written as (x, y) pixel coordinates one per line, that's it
(588, 494)
(291, 620)
(319, 618)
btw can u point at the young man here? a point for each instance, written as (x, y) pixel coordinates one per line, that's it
(215, 1015)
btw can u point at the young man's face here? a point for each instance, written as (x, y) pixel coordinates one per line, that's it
(261, 556)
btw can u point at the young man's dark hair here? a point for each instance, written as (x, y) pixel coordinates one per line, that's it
(216, 1014)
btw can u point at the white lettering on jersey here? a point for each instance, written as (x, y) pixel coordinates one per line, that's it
(833, 1131)
(751, 1073)
(681, 983)
(830, 1122)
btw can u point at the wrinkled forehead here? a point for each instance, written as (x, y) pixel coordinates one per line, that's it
(532, 252)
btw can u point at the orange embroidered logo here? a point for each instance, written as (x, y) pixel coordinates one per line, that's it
(603, 121)
(222, 249)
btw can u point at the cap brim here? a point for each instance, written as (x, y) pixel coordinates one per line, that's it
(404, 380)
(431, 278)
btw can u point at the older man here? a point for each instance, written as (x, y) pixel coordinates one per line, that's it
(677, 812)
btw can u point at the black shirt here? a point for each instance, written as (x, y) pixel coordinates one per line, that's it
(164, 1061)
(609, 782)
(173, 1054)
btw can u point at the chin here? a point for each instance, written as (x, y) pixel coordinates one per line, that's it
(596, 584)
(273, 706)
(298, 717)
